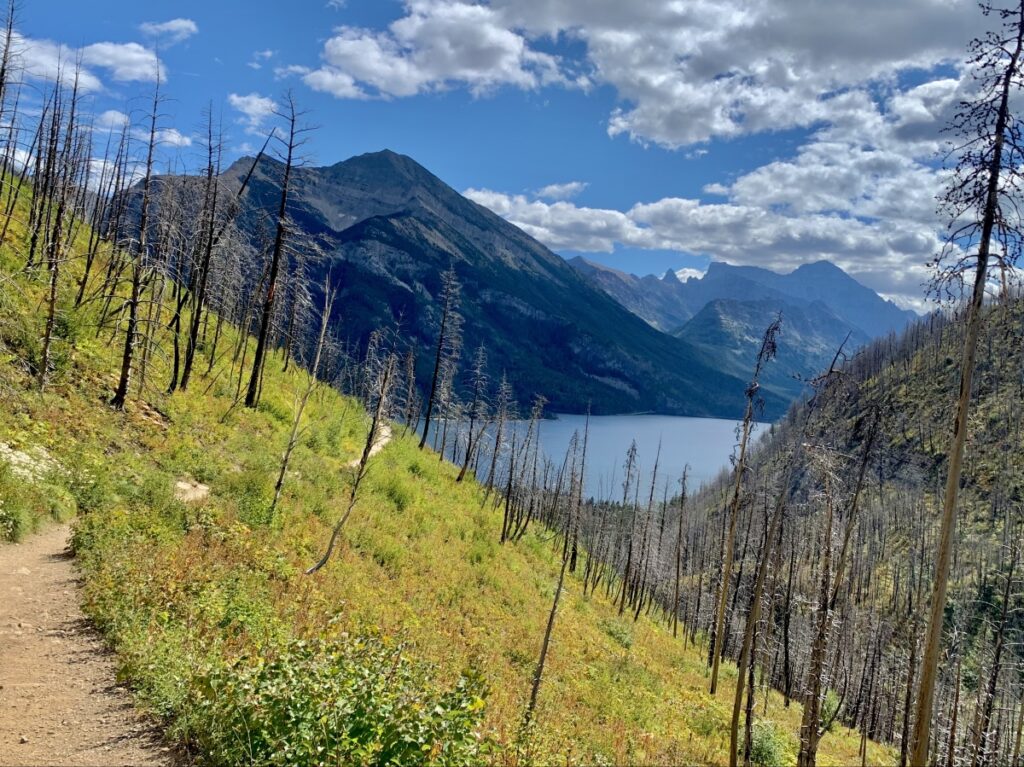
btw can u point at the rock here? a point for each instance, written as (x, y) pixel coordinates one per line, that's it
(188, 490)
(23, 739)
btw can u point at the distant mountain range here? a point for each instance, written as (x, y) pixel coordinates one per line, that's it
(725, 312)
(389, 228)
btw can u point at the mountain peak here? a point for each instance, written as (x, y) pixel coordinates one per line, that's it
(384, 166)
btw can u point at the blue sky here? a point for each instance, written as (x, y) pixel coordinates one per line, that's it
(666, 133)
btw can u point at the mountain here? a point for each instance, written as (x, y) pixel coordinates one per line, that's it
(658, 301)
(669, 302)
(731, 331)
(389, 228)
(725, 312)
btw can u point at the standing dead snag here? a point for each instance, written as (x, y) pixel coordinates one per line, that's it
(985, 189)
(138, 257)
(764, 356)
(570, 524)
(450, 322)
(311, 382)
(679, 552)
(385, 385)
(292, 144)
(477, 409)
(823, 384)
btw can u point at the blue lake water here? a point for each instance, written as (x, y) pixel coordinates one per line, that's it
(703, 444)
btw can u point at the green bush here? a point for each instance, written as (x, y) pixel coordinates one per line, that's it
(619, 631)
(15, 520)
(354, 701)
(767, 745)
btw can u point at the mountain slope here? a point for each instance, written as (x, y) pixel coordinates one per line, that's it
(731, 331)
(669, 302)
(390, 228)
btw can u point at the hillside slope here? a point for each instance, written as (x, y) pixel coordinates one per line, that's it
(202, 593)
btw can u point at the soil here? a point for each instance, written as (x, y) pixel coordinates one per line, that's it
(60, 703)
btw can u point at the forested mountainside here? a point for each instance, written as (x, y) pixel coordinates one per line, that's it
(197, 520)
(387, 229)
(856, 477)
(724, 312)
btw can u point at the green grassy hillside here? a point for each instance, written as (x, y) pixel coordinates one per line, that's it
(228, 642)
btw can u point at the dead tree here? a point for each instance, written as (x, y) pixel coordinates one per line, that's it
(292, 144)
(449, 322)
(138, 258)
(984, 191)
(477, 409)
(754, 402)
(384, 388)
(311, 381)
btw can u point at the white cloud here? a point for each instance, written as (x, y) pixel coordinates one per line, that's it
(170, 32)
(172, 137)
(259, 58)
(684, 72)
(101, 172)
(436, 45)
(689, 72)
(111, 120)
(126, 62)
(47, 60)
(255, 109)
(561, 191)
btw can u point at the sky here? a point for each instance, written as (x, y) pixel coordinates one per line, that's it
(646, 135)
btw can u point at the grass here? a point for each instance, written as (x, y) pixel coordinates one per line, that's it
(186, 593)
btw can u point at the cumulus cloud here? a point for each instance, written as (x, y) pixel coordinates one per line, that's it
(124, 62)
(111, 120)
(561, 191)
(170, 32)
(47, 60)
(255, 109)
(172, 137)
(690, 72)
(437, 44)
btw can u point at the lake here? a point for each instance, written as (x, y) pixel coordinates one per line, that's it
(705, 444)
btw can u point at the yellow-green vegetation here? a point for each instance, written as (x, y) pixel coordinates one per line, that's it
(221, 634)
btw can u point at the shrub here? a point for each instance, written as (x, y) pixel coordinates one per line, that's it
(353, 701)
(829, 709)
(619, 631)
(767, 745)
(15, 520)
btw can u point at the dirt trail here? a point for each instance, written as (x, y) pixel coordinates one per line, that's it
(59, 703)
(381, 441)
